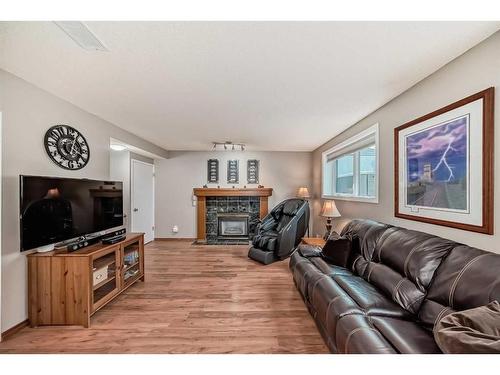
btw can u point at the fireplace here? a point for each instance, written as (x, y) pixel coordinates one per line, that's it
(214, 203)
(232, 226)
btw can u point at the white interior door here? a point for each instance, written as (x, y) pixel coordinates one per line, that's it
(142, 199)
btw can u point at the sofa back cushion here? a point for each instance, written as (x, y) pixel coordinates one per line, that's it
(466, 279)
(403, 265)
(364, 235)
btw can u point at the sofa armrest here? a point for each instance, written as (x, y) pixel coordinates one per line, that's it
(309, 251)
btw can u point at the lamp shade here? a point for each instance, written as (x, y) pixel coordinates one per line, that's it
(329, 209)
(303, 192)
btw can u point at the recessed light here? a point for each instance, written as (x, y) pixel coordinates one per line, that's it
(82, 35)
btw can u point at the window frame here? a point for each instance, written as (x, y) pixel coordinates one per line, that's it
(349, 147)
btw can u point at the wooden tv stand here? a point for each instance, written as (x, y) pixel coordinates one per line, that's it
(68, 288)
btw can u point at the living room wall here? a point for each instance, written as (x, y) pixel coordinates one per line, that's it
(474, 71)
(184, 170)
(27, 113)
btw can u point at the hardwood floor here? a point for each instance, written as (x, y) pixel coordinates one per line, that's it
(196, 299)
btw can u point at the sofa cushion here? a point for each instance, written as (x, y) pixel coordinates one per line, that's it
(356, 335)
(306, 275)
(328, 268)
(398, 288)
(406, 336)
(307, 271)
(364, 234)
(467, 278)
(368, 298)
(403, 264)
(325, 270)
(325, 292)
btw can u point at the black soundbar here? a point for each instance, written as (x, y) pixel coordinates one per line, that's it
(114, 239)
(77, 245)
(109, 238)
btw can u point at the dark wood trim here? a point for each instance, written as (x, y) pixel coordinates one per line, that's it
(230, 192)
(487, 226)
(13, 330)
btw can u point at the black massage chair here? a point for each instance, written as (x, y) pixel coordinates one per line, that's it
(280, 232)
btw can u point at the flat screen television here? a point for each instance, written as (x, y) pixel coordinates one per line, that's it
(56, 209)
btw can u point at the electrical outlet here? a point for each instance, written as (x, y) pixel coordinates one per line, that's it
(175, 229)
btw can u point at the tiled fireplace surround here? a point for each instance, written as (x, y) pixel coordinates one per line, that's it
(233, 204)
(227, 206)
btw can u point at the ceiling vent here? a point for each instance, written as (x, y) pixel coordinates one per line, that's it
(81, 34)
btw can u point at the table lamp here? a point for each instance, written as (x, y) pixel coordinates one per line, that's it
(329, 210)
(303, 193)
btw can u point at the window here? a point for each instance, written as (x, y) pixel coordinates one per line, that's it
(350, 169)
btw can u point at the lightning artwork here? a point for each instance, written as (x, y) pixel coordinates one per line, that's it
(437, 165)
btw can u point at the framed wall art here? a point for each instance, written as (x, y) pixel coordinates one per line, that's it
(233, 172)
(213, 171)
(252, 171)
(444, 165)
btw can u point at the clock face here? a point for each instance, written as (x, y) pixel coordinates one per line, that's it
(67, 147)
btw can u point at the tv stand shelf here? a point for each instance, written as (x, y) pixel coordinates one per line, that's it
(68, 288)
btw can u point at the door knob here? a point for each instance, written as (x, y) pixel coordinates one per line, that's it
(136, 209)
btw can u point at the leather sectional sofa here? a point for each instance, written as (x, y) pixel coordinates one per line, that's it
(396, 284)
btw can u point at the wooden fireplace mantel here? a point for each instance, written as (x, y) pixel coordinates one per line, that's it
(230, 192)
(202, 193)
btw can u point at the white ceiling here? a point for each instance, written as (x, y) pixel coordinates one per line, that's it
(287, 86)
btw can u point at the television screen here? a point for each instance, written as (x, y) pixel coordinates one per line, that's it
(58, 209)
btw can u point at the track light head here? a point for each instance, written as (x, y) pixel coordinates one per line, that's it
(228, 145)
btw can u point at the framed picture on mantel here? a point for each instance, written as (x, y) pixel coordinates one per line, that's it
(233, 172)
(444, 165)
(213, 171)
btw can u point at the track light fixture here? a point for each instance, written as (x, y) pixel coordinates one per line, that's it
(228, 145)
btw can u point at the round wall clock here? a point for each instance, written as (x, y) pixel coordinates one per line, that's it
(67, 147)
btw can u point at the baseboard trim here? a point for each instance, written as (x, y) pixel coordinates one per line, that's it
(13, 330)
(184, 239)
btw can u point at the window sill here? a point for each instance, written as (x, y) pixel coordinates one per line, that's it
(352, 198)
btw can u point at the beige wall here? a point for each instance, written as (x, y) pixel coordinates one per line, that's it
(177, 176)
(474, 71)
(27, 113)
